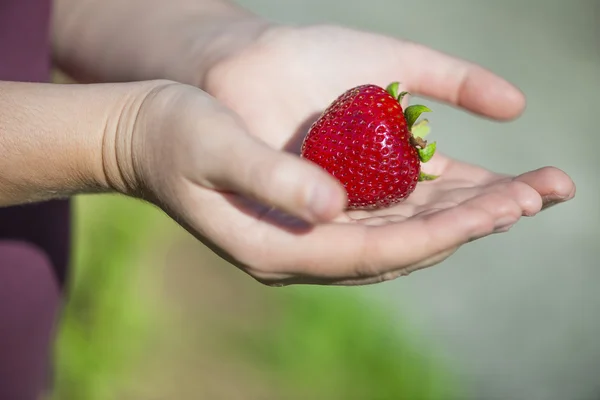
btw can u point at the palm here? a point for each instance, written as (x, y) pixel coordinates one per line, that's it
(288, 79)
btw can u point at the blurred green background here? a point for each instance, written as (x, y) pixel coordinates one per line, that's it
(179, 323)
(154, 315)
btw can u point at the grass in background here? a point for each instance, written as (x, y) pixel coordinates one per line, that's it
(103, 322)
(330, 344)
(313, 343)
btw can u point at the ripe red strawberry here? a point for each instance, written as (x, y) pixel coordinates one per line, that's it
(366, 141)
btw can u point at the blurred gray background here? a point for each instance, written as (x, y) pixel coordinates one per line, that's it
(518, 314)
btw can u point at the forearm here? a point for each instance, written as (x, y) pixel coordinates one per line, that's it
(59, 140)
(128, 40)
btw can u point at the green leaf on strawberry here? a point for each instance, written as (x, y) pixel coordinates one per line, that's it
(393, 89)
(421, 129)
(401, 96)
(412, 113)
(426, 177)
(427, 153)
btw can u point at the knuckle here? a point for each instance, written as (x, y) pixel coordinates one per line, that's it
(526, 197)
(505, 205)
(520, 188)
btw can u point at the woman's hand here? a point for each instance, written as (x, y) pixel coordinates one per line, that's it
(231, 177)
(280, 218)
(281, 83)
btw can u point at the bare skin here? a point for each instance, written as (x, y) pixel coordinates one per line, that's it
(217, 154)
(295, 73)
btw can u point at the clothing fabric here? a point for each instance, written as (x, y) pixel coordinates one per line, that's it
(34, 239)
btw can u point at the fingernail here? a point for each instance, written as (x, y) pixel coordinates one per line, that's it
(549, 204)
(553, 199)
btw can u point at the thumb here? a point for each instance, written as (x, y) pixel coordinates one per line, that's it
(281, 180)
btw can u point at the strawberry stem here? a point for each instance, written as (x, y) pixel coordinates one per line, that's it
(421, 129)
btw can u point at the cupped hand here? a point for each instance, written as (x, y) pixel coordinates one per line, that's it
(286, 78)
(279, 86)
(281, 220)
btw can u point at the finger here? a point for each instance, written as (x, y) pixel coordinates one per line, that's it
(440, 76)
(281, 180)
(524, 195)
(347, 252)
(553, 185)
(435, 233)
(388, 276)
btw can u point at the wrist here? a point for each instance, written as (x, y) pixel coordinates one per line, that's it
(61, 140)
(141, 40)
(125, 151)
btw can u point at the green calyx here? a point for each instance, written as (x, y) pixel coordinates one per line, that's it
(418, 129)
(426, 177)
(421, 129)
(412, 113)
(427, 153)
(393, 89)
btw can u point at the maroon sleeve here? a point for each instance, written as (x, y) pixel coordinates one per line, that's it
(34, 239)
(28, 309)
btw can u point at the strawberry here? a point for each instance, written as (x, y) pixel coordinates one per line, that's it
(374, 148)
